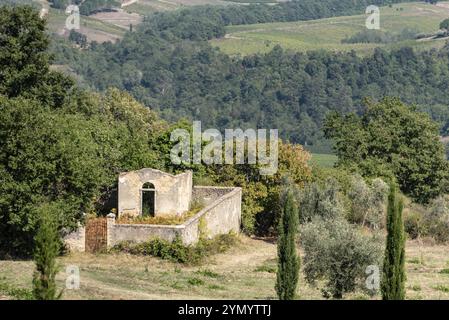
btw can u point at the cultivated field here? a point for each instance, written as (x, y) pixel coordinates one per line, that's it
(247, 271)
(328, 33)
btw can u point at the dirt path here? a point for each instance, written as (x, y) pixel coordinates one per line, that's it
(247, 255)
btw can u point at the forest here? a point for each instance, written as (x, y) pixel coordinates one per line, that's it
(166, 64)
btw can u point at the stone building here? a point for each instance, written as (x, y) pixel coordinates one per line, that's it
(154, 193)
(151, 192)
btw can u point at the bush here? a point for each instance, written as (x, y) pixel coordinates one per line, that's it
(368, 202)
(176, 251)
(413, 224)
(15, 292)
(320, 200)
(437, 220)
(337, 252)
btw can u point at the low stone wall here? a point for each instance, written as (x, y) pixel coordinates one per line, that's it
(140, 232)
(221, 215)
(76, 241)
(208, 195)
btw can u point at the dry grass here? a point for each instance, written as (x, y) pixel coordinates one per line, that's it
(244, 272)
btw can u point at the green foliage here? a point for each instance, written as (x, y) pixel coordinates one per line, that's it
(176, 251)
(288, 259)
(393, 275)
(261, 194)
(195, 282)
(430, 221)
(59, 144)
(14, 292)
(88, 7)
(444, 24)
(320, 200)
(186, 78)
(368, 202)
(380, 144)
(266, 268)
(413, 224)
(339, 253)
(442, 288)
(436, 220)
(47, 248)
(78, 38)
(23, 60)
(208, 273)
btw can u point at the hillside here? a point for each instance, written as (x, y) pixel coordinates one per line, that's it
(328, 33)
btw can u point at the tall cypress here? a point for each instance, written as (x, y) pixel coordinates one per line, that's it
(288, 260)
(47, 248)
(393, 275)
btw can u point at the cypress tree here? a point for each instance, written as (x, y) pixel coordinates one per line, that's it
(393, 275)
(47, 248)
(288, 260)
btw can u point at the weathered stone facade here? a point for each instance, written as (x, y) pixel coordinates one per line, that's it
(221, 215)
(172, 196)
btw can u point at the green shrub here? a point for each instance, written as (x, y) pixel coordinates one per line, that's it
(368, 202)
(195, 282)
(176, 251)
(437, 220)
(14, 292)
(208, 273)
(413, 224)
(442, 288)
(266, 268)
(320, 200)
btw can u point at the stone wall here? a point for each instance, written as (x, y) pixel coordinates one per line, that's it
(76, 241)
(221, 215)
(172, 196)
(207, 195)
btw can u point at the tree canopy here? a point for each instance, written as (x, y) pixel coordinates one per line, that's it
(392, 139)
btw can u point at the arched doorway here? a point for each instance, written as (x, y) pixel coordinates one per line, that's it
(148, 193)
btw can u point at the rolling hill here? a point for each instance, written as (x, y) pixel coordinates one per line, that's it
(328, 33)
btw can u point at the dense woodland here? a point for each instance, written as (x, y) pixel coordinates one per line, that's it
(166, 65)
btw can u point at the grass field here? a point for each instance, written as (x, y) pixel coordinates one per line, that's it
(328, 33)
(247, 271)
(323, 160)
